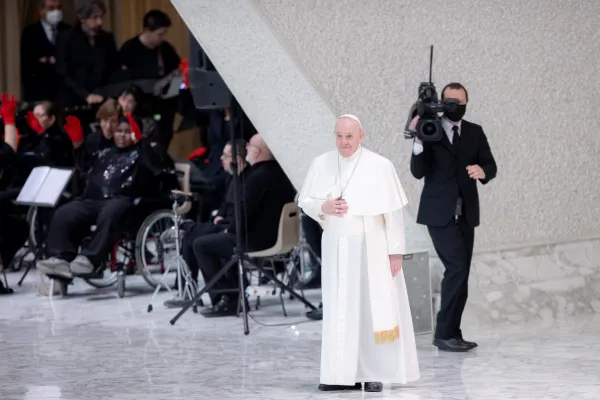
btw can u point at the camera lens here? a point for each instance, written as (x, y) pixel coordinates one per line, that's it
(428, 129)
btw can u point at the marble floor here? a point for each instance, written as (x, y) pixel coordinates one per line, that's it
(95, 346)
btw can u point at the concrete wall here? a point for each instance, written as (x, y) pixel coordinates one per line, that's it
(530, 70)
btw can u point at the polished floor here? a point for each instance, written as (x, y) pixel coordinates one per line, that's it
(95, 346)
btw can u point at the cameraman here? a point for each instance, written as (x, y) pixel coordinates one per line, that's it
(450, 207)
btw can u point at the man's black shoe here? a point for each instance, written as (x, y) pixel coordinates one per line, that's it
(373, 386)
(470, 345)
(224, 308)
(335, 388)
(452, 345)
(317, 314)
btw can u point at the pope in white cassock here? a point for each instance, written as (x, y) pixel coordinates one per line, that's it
(356, 196)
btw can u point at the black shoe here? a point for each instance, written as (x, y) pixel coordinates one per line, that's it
(224, 308)
(5, 290)
(316, 315)
(373, 386)
(335, 388)
(452, 345)
(470, 345)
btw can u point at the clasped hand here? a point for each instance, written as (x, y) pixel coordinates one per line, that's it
(395, 263)
(335, 207)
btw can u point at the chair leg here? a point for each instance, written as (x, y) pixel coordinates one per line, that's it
(280, 290)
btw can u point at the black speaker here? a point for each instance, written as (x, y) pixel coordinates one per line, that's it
(208, 89)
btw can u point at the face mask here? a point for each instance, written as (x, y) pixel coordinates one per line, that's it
(54, 17)
(457, 114)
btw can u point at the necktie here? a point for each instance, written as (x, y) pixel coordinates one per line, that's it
(455, 138)
(53, 34)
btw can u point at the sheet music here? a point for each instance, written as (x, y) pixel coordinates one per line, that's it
(44, 186)
(53, 186)
(35, 180)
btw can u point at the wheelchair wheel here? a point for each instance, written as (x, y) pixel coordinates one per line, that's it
(152, 252)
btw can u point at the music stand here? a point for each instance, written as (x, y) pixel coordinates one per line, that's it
(210, 92)
(43, 188)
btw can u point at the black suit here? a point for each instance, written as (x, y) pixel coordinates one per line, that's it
(40, 80)
(82, 66)
(265, 191)
(447, 180)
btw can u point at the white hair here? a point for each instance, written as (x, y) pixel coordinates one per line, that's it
(352, 117)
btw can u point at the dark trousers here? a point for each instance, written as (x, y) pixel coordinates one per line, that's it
(454, 245)
(71, 223)
(213, 251)
(193, 232)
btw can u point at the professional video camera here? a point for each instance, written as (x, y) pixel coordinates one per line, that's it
(429, 127)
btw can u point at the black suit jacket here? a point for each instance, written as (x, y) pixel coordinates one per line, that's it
(446, 177)
(40, 80)
(265, 191)
(82, 67)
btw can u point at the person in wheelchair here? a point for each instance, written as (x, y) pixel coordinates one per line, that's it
(264, 193)
(119, 175)
(13, 227)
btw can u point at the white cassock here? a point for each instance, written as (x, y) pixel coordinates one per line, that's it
(368, 333)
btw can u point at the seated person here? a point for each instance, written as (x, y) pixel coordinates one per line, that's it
(87, 147)
(225, 214)
(266, 190)
(48, 146)
(13, 228)
(119, 175)
(129, 101)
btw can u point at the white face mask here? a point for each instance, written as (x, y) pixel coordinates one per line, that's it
(54, 17)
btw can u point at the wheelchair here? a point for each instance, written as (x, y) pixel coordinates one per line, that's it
(141, 249)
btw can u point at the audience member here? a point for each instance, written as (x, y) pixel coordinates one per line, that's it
(150, 56)
(86, 56)
(264, 193)
(38, 53)
(130, 100)
(119, 175)
(13, 228)
(48, 146)
(224, 218)
(87, 148)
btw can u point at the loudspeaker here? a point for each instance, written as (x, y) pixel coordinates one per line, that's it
(208, 89)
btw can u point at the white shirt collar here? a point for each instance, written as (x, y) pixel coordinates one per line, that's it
(447, 125)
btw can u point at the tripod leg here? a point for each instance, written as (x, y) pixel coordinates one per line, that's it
(205, 289)
(243, 296)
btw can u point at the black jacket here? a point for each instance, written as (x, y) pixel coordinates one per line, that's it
(40, 80)
(52, 148)
(83, 67)
(227, 209)
(266, 190)
(446, 177)
(128, 172)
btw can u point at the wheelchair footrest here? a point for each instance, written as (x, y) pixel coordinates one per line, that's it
(94, 275)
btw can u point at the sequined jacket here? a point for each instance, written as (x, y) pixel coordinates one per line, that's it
(130, 172)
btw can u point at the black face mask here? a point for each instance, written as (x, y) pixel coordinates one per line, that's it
(457, 114)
